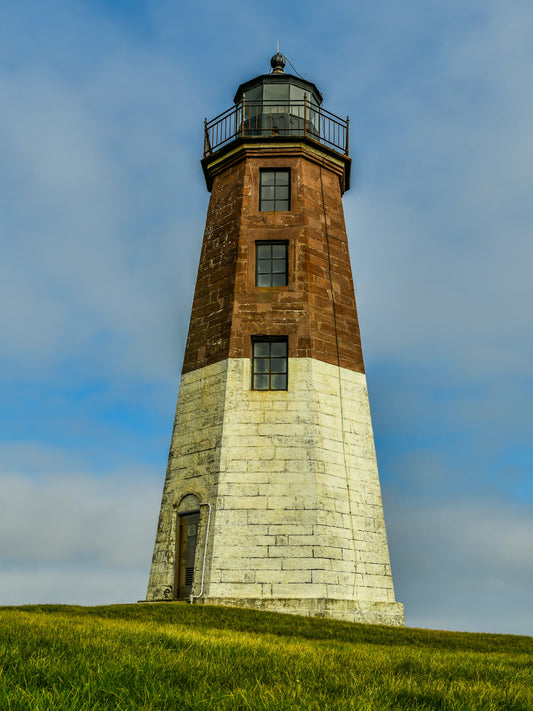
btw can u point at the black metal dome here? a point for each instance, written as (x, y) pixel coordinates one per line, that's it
(278, 62)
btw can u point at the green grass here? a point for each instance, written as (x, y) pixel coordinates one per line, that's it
(177, 656)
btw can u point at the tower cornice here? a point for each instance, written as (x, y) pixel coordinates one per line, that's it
(248, 147)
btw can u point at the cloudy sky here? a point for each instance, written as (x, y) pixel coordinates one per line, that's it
(102, 209)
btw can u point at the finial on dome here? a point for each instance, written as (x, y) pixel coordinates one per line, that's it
(277, 62)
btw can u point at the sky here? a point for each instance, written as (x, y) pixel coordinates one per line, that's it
(102, 211)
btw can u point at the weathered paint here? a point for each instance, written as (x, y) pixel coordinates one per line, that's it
(293, 482)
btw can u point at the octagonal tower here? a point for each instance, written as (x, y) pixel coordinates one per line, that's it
(272, 497)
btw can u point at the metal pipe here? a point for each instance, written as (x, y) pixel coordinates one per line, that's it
(193, 597)
(347, 151)
(206, 139)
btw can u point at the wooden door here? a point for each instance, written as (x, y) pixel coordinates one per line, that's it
(187, 537)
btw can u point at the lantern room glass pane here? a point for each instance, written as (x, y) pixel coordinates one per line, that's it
(276, 92)
(255, 93)
(297, 93)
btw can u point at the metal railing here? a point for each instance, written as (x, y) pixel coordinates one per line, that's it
(272, 118)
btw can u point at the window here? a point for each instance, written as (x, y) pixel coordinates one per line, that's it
(274, 190)
(271, 263)
(269, 364)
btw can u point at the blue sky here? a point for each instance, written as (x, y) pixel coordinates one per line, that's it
(102, 208)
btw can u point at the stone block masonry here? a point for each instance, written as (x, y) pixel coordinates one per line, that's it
(297, 522)
(227, 305)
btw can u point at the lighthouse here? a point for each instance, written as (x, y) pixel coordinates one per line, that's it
(272, 497)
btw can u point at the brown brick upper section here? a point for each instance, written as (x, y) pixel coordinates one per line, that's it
(317, 309)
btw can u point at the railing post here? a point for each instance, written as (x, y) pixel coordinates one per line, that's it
(242, 118)
(347, 151)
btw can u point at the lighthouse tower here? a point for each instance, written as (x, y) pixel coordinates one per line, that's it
(272, 497)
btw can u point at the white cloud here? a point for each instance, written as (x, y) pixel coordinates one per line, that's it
(463, 564)
(99, 254)
(440, 223)
(78, 520)
(58, 584)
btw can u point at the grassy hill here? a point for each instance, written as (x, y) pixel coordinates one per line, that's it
(176, 656)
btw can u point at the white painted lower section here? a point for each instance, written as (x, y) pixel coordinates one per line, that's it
(293, 483)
